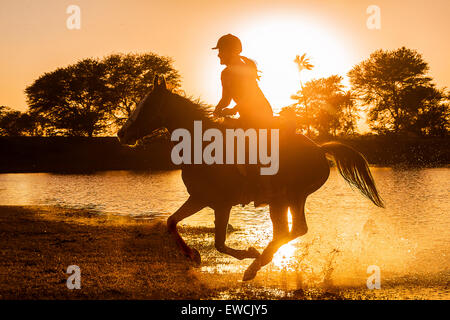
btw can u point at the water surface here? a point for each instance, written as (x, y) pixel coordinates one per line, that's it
(409, 240)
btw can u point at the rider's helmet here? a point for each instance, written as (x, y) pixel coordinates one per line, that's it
(229, 43)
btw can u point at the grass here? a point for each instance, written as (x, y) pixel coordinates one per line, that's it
(119, 257)
(125, 258)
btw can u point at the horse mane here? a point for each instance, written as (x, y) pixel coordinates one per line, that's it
(192, 108)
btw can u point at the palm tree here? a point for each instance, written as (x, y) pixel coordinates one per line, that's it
(303, 64)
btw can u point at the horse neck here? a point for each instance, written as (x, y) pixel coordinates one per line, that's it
(182, 113)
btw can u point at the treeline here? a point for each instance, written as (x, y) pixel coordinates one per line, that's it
(391, 87)
(80, 155)
(91, 97)
(85, 155)
(94, 96)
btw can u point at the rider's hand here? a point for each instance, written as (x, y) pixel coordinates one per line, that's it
(218, 112)
(228, 112)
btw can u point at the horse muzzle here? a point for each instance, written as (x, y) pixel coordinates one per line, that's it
(125, 139)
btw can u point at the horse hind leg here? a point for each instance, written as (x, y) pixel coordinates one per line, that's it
(190, 207)
(297, 200)
(299, 225)
(281, 236)
(222, 216)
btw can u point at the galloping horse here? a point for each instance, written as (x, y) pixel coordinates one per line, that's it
(303, 168)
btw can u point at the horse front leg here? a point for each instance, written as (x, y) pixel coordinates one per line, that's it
(188, 208)
(281, 236)
(222, 216)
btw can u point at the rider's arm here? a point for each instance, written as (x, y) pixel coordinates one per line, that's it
(226, 95)
(230, 111)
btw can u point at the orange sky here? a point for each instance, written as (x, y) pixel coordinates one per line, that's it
(34, 38)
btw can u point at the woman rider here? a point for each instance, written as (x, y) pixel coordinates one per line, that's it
(239, 83)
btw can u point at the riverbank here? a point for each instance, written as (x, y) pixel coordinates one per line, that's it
(79, 155)
(124, 258)
(119, 258)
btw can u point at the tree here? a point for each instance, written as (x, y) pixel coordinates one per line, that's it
(72, 100)
(93, 95)
(15, 123)
(427, 109)
(350, 114)
(303, 64)
(130, 77)
(329, 109)
(399, 95)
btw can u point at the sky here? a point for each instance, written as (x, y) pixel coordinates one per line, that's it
(35, 39)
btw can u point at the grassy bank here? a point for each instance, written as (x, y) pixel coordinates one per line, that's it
(76, 154)
(124, 258)
(119, 258)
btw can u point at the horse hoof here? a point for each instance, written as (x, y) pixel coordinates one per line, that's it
(195, 256)
(251, 271)
(253, 253)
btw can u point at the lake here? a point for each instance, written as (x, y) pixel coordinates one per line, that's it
(409, 240)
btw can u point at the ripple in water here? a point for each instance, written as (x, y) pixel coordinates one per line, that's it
(409, 240)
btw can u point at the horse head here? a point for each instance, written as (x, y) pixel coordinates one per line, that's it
(148, 115)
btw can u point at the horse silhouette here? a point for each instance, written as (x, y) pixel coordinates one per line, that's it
(303, 169)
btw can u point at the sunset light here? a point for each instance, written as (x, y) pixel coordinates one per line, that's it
(285, 256)
(274, 42)
(224, 154)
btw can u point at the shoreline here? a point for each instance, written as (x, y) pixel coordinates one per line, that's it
(125, 258)
(150, 170)
(115, 254)
(85, 155)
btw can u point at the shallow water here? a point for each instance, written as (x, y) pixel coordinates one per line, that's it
(409, 240)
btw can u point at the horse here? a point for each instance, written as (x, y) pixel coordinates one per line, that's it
(303, 169)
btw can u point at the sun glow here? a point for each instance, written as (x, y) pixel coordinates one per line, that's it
(284, 258)
(274, 44)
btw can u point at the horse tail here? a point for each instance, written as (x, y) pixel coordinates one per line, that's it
(354, 168)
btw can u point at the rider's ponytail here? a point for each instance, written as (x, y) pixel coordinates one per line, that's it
(252, 64)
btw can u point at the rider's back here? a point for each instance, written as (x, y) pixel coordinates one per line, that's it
(243, 87)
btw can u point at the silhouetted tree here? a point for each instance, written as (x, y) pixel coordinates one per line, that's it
(326, 106)
(303, 64)
(72, 100)
(130, 76)
(427, 110)
(93, 95)
(399, 95)
(15, 123)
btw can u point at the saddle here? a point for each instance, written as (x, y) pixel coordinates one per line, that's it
(258, 188)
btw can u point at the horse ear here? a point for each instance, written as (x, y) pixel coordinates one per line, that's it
(163, 83)
(155, 81)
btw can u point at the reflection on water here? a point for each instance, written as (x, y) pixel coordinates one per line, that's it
(409, 240)
(285, 257)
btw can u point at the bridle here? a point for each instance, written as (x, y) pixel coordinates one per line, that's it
(134, 116)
